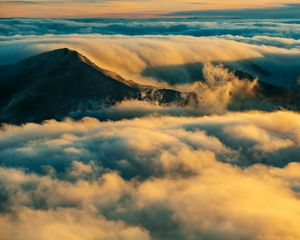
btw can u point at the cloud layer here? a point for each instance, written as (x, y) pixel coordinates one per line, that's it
(152, 178)
(286, 28)
(169, 60)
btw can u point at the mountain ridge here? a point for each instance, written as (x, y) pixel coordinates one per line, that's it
(52, 84)
(57, 83)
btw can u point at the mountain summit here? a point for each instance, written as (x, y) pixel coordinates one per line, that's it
(54, 83)
(61, 82)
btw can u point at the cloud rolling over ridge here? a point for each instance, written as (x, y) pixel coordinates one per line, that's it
(156, 54)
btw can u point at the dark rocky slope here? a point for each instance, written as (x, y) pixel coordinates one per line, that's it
(52, 84)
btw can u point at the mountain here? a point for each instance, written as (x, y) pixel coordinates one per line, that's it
(59, 83)
(280, 75)
(277, 86)
(54, 83)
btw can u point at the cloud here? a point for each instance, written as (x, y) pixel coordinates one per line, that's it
(286, 11)
(165, 58)
(280, 42)
(219, 92)
(152, 178)
(221, 87)
(284, 28)
(203, 65)
(151, 171)
(67, 224)
(242, 139)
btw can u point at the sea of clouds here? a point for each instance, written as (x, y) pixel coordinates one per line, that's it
(198, 27)
(232, 176)
(154, 172)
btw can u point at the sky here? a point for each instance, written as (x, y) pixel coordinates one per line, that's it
(130, 8)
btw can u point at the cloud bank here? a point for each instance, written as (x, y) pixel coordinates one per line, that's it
(169, 60)
(286, 28)
(194, 177)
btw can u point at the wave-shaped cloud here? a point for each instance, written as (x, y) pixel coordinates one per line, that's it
(154, 177)
(165, 60)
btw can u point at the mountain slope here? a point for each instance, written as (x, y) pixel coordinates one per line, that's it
(52, 84)
(58, 83)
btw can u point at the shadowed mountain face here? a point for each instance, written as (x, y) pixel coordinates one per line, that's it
(276, 87)
(58, 83)
(285, 75)
(52, 84)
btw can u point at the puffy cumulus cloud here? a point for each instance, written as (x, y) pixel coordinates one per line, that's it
(35, 207)
(65, 224)
(266, 142)
(98, 144)
(152, 178)
(220, 88)
(218, 203)
(165, 61)
(241, 139)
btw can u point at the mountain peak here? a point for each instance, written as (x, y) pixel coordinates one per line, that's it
(61, 54)
(57, 82)
(61, 51)
(65, 52)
